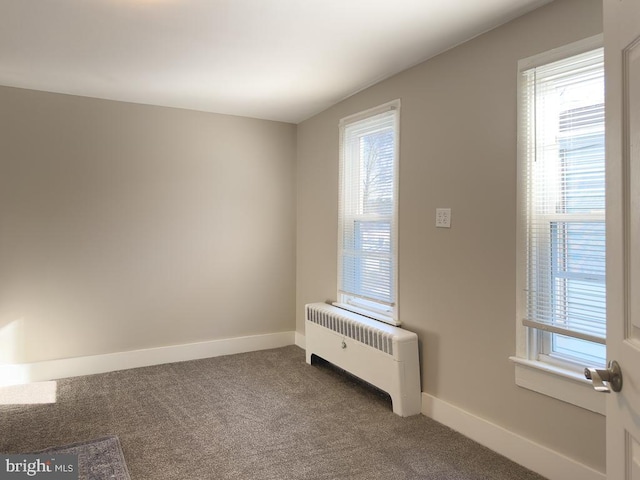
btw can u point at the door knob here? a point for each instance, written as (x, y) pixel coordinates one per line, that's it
(612, 375)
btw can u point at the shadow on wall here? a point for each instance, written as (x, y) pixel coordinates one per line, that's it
(428, 342)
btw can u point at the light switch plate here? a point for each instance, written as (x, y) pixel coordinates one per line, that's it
(443, 217)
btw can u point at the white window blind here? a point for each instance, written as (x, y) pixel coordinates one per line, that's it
(563, 127)
(367, 223)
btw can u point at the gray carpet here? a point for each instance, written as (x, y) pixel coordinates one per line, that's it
(99, 459)
(261, 415)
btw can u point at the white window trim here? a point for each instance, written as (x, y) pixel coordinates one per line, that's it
(557, 381)
(393, 317)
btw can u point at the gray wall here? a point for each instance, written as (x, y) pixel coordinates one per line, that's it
(457, 286)
(125, 226)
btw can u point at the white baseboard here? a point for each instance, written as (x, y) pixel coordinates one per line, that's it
(527, 453)
(73, 367)
(301, 340)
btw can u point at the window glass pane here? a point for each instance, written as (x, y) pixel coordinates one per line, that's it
(578, 276)
(581, 351)
(367, 267)
(376, 160)
(583, 173)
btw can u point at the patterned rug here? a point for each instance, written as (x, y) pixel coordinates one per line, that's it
(100, 459)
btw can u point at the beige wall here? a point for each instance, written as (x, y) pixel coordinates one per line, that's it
(125, 226)
(456, 286)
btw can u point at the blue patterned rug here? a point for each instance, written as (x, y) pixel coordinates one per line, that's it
(100, 459)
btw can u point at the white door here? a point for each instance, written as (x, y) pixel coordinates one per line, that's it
(622, 70)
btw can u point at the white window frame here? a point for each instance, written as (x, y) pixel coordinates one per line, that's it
(384, 313)
(534, 370)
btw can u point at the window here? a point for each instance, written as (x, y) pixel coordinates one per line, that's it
(367, 223)
(562, 297)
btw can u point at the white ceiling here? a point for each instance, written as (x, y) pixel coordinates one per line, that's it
(274, 59)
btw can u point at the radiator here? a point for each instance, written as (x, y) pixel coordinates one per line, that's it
(380, 354)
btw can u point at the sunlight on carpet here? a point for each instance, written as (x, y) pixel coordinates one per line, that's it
(29, 393)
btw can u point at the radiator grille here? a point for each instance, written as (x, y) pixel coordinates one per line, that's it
(373, 337)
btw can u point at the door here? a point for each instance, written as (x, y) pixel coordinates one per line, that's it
(622, 71)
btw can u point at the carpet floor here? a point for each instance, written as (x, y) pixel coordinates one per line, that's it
(261, 415)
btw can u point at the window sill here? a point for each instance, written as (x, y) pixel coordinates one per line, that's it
(367, 313)
(556, 382)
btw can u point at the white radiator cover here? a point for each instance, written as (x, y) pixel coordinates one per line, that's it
(380, 354)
